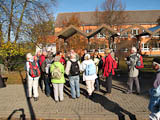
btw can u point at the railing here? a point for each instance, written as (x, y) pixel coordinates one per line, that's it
(153, 49)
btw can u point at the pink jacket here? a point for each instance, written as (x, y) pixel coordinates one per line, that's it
(108, 66)
(41, 59)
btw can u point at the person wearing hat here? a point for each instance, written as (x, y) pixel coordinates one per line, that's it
(108, 71)
(57, 78)
(89, 74)
(133, 71)
(32, 81)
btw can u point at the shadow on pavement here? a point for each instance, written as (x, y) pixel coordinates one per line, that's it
(22, 116)
(146, 80)
(112, 107)
(31, 110)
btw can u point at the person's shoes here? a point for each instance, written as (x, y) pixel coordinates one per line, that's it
(89, 96)
(97, 90)
(43, 91)
(48, 95)
(138, 93)
(36, 99)
(127, 92)
(73, 98)
(56, 101)
(109, 94)
(29, 98)
(105, 93)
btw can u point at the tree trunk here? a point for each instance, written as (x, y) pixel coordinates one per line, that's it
(20, 20)
(10, 21)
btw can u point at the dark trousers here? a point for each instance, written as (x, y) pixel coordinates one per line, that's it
(97, 84)
(47, 85)
(41, 81)
(109, 83)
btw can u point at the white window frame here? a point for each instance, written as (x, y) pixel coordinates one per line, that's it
(100, 35)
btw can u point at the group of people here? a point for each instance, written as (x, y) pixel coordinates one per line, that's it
(52, 70)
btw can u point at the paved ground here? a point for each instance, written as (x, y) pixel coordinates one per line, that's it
(13, 104)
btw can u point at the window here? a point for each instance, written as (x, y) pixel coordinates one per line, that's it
(145, 46)
(135, 31)
(88, 31)
(124, 34)
(100, 35)
(157, 34)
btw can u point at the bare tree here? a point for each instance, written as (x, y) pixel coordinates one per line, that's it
(158, 20)
(97, 16)
(72, 41)
(19, 16)
(113, 12)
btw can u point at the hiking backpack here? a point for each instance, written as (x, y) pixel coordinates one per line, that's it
(34, 70)
(115, 65)
(139, 63)
(48, 64)
(56, 73)
(90, 69)
(74, 68)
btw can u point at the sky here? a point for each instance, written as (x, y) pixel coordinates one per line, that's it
(90, 5)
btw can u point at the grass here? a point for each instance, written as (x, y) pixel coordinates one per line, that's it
(15, 77)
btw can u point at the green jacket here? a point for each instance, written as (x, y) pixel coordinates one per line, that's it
(62, 80)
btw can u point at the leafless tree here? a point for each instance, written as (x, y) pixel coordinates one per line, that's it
(113, 12)
(97, 16)
(18, 17)
(158, 20)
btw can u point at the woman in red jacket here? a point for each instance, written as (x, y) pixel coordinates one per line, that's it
(109, 66)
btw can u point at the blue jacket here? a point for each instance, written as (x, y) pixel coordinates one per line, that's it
(154, 103)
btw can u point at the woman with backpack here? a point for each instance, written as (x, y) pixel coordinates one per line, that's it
(57, 78)
(33, 74)
(89, 74)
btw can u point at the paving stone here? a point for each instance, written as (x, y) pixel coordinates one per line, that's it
(13, 101)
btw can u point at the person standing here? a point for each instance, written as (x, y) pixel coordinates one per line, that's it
(96, 61)
(42, 78)
(89, 74)
(46, 70)
(62, 59)
(33, 74)
(57, 78)
(82, 58)
(73, 72)
(109, 66)
(133, 71)
(154, 103)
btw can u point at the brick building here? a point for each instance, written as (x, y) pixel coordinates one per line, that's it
(135, 30)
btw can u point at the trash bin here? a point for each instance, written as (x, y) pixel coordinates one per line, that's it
(2, 82)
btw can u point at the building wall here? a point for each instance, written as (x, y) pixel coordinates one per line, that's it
(129, 38)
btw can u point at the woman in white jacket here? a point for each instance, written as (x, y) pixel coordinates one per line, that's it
(89, 74)
(32, 82)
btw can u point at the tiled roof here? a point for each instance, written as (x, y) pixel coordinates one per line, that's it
(134, 17)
